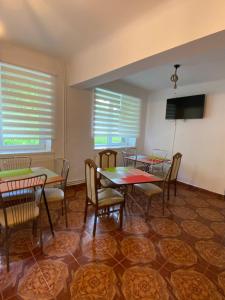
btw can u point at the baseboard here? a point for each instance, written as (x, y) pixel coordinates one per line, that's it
(196, 188)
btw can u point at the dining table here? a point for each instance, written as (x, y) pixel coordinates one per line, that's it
(52, 178)
(127, 176)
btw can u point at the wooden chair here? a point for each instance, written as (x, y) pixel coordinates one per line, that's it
(151, 190)
(58, 193)
(107, 159)
(102, 199)
(19, 204)
(15, 162)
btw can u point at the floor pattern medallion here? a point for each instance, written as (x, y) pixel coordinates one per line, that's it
(212, 252)
(142, 283)
(184, 212)
(107, 223)
(138, 250)
(197, 229)
(64, 243)
(23, 241)
(9, 278)
(216, 203)
(44, 280)
(177, 252)
(94, 282)
(221, 280)
(102, 247)
(197, 202)
(210, 214)
(136, 225)
(218, 228)
(192, 285)
(165, 227)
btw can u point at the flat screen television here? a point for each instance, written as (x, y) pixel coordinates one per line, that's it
(191, 107)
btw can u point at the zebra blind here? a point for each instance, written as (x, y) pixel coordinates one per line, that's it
(115, 115)
(27, 102)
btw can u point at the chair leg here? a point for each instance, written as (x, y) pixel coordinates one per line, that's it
(163, 202)
(168, 192)
(65, 208)
(34, 228)
(121, 215)
(175, 188)
(95, 223)
(85, 211)
(7, 248)
(62, 208)
(148, 208)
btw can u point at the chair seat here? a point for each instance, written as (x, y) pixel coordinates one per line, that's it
(19, 214)
(109, 197)
(149, 189)
(54, 194)
(106, 183)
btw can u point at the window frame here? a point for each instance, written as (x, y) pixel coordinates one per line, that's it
(45, 145)
(109, 137)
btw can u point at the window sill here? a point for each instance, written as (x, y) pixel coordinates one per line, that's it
(28, 152)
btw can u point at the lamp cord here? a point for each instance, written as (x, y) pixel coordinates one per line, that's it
(174, 136)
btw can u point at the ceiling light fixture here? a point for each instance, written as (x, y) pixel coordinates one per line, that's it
(174, 77)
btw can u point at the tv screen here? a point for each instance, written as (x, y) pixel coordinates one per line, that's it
(191, 107)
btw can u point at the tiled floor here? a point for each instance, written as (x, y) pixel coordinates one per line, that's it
(177, 256)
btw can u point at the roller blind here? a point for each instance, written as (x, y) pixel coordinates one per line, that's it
(27, 102)
(116, 114)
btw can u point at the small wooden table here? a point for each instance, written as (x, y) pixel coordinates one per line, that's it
(52, 178)
(125, 176)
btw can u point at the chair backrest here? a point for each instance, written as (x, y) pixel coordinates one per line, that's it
(15, 162)
(91, 181)
(62, 166)
(14, 193)
(107, 158)
(175, 166)
(129, 152)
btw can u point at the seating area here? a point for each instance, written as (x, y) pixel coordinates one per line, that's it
(112, 142)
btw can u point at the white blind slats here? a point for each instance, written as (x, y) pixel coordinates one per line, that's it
(116, 114)
(27, 103)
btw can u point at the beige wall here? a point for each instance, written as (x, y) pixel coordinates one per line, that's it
(79, 143)
(201, 141)
(168, 24)
(29, 58)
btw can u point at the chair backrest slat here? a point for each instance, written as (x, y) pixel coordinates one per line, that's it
(175, 166)
(107, 158)
(91, 180)
(15, 162)
(61, 167)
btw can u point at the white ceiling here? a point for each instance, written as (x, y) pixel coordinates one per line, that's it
(198, 69)
(62, 27)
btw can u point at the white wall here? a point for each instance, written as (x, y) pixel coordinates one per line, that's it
(28, 58)
(165, 25)
(201, 141)
(79, 143)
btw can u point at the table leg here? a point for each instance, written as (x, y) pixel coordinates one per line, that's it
(48, 213)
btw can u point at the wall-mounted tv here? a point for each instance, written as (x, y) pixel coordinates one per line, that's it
(191, 107)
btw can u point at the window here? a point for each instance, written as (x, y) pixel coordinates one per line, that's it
(27, 101)
(116, 120)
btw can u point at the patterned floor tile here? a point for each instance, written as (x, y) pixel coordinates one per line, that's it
(165, 227)
(210, 214)
(144, 283)
(197, 229)
(138, 249)
(184, 212)
(93, 281)
(192, 285)
(218, 228)
(135, 225)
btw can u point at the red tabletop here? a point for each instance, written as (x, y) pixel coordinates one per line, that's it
(126, 176)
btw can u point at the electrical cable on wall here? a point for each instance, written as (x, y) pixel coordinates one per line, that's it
(174, 136)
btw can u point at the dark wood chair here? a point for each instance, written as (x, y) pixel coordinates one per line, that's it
(107, 159)
(150, 189)
(20, 204)
(101, 199)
